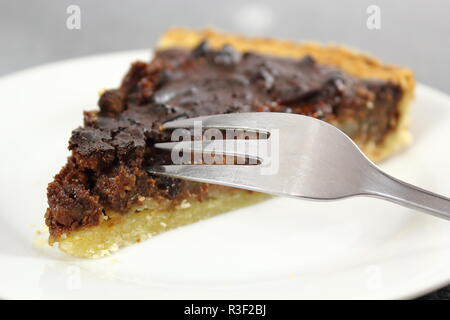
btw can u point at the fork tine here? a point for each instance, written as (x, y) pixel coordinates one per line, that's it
(253, 149)
(242, 176)
(254, 121)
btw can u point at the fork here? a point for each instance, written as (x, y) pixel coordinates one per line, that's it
(313, 160)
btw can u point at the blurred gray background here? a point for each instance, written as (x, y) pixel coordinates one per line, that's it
(413, 33)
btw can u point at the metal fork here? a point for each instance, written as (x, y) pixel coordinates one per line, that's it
(316, 161)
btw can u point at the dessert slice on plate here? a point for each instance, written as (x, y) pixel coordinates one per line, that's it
(103, 198)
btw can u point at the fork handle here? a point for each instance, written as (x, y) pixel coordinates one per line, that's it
(405, 194)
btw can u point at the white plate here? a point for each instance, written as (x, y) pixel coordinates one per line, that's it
(284, 248)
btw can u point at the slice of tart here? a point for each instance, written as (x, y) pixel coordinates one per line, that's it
(103, 198)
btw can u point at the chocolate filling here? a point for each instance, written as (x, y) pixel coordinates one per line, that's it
(110, 152)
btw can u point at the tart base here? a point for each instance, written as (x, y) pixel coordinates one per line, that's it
(152, 217)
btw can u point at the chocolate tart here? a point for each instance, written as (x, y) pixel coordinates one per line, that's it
(104, 198)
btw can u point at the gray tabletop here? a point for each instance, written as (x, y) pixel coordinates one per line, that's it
(411, 33)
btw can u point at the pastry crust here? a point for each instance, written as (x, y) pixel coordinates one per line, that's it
(350, 61)
(152, 217)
